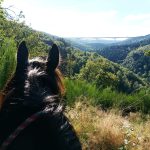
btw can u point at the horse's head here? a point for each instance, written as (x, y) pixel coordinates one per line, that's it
(37, 80)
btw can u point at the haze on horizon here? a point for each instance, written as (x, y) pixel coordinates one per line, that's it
(86, 18)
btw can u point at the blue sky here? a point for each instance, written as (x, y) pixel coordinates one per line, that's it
(86, 18)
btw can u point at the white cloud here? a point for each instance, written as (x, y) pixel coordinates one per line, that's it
(137, 17)
(137, 24)
(71, 23)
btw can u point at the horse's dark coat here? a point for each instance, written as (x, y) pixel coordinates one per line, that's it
(36, 86)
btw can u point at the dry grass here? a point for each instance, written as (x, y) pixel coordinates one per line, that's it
(99, 130)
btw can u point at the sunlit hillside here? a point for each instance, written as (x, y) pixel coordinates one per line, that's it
(107, 84)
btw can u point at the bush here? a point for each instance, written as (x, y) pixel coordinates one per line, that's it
(99, 130)
(77, 88)
(8, 61)
(107, 98)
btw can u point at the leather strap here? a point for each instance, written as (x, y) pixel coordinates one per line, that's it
(20, 128)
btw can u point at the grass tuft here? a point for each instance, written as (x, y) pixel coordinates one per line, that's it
(101, 130)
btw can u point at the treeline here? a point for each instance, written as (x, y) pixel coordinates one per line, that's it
(107, 98)
(12, 32)
(76, 64)
(119, 51)
(81, 66)
(93, 68)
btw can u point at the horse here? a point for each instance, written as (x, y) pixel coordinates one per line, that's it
(36, 86)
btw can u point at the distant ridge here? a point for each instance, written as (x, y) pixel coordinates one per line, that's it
(108, 37)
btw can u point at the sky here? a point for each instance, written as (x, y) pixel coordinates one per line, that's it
(86, 18)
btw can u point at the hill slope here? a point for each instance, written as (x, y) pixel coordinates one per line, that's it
(138, 62)
(119, 51)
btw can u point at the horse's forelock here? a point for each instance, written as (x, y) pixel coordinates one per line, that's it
(36, 70)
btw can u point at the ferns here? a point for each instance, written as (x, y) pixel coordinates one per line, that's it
(78, 90)
(7, 60)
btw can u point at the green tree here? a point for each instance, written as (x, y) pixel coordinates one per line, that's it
(95, 71)
(8, 61)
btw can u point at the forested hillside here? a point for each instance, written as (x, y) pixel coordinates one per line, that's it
(139, 62)
(118, 52)
(104, 83)
(132, 53)
(75, 63)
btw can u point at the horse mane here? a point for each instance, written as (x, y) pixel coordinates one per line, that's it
(10, 83)
(9, 86)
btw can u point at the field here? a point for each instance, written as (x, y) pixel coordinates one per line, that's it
(108, 130)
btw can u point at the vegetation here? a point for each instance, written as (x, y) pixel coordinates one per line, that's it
(118, 52)
(138, 62)
(107, 97)
(7, 59)
(91, 67)
(102, 75)
(99, 130)
(99, 92)
(12, 32)
(108, 74)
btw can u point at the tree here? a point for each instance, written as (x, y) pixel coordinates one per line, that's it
(96, 72)
(8, 61)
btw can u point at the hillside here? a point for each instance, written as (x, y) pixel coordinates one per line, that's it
(112, 49)
(107, 94)
(130, 53)
(75, 62)
(90, 43)
(96, 69)
(119, 51)
(138, 62)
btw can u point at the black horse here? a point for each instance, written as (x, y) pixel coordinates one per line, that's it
(36, 87)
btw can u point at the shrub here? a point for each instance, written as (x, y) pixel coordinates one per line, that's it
(8, 61)
(78, 88)
(100, 130)
(107, 97)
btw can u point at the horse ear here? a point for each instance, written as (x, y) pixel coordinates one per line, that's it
(22, 55)
(53, 58)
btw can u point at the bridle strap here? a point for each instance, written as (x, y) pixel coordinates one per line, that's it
(20, 128)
